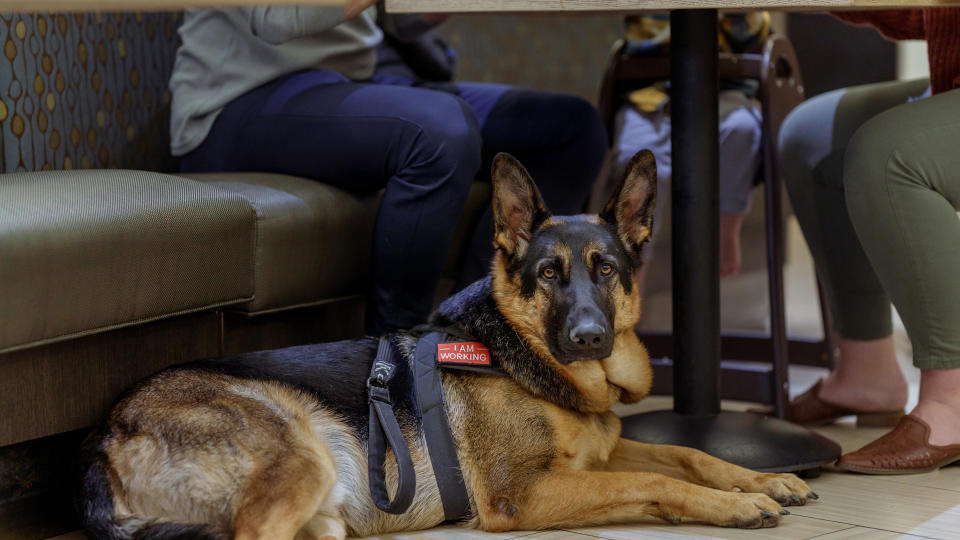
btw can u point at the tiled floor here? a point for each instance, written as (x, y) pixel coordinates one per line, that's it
(852, 507)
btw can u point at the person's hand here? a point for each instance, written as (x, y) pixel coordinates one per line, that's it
(355, 7)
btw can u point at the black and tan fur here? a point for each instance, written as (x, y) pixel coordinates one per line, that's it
(271, 445)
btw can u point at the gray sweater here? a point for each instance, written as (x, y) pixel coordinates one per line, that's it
(228, 52)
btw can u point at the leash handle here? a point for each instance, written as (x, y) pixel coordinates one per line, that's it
(384, 423)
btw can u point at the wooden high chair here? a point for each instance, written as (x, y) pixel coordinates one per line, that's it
(780, 90)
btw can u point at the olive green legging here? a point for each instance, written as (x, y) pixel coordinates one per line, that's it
(875, 183)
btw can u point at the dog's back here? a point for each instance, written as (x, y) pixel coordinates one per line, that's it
(212, 441)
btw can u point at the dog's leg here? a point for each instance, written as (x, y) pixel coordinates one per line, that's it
(323, 527)
(700, 468)
(326, 524)
(581, 498)
(288, 493)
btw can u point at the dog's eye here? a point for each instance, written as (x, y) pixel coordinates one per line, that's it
(606, 269)
(548, 272)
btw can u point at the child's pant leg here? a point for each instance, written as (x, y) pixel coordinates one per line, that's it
(741, 136)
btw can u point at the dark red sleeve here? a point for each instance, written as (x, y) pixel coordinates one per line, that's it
(892, 23)
(943, 47)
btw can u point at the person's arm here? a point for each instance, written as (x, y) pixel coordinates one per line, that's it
(892, 23)
(278, 24)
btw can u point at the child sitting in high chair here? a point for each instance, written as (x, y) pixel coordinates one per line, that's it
(644, 120)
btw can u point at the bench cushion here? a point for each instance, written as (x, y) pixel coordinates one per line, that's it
(87, 251)
(312, 239)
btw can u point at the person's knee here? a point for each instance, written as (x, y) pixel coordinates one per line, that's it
(871, 150)
(562, 119)
(805, 137)
(450, 140)
(798, 133)
(742, 128)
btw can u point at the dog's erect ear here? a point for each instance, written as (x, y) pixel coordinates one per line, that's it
(517, 206)
(631, 208)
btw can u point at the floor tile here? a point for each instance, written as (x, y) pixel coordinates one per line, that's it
(561, 535)
(863, 533)
(874, 502)
(790, 527)
(947, 478)
(452, 532)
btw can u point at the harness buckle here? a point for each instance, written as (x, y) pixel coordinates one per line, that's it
(378, 391)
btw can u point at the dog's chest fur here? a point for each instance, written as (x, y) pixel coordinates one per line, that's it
(507, 438)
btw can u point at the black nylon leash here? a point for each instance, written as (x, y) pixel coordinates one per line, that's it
(384, 422)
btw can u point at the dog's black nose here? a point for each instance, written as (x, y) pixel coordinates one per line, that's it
(587, 336)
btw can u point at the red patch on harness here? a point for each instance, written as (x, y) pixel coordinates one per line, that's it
(463, 352)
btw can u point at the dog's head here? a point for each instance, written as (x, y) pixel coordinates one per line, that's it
(566, 283)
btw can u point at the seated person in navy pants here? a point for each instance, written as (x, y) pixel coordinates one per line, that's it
(295, 90)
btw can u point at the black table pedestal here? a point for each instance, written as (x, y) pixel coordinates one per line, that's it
(756, 442)
(750, 440)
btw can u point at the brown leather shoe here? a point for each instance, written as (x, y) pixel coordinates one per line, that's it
(808, 408)
(905, 450)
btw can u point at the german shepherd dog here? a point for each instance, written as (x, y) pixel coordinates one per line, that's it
(273, 445)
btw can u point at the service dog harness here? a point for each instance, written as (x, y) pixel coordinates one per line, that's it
(432, 351)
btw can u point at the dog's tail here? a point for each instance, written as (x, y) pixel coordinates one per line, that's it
(95, 507)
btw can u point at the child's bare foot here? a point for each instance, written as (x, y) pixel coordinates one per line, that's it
(730, 224)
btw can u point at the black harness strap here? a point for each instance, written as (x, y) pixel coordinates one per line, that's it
(383, 421)
(428, 389)
(436, 429)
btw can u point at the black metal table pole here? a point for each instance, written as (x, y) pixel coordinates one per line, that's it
(750, 440)
(695, 214)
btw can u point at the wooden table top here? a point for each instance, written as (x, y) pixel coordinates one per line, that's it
(142, 5)
(464, 6)
(467, 6)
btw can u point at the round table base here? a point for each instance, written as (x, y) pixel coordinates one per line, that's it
(761, 443)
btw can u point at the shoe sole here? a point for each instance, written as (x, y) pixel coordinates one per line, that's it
(890, 472)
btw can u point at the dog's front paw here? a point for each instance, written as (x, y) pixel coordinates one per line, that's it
(785, 488)
(751, 511)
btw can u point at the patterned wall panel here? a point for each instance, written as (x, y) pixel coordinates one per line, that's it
(85, 90)
(559, 53)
